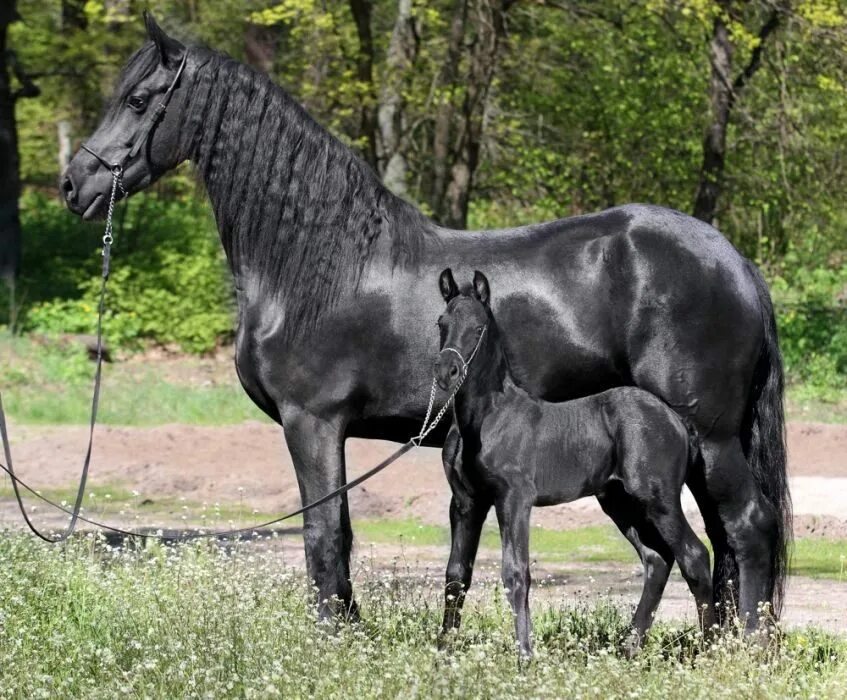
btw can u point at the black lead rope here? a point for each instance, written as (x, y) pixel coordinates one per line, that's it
(75, 516)
(95, 398)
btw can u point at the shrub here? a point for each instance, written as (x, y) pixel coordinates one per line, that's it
(812, 319)
(168, 285)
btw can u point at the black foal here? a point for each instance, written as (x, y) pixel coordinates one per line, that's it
(625, 446)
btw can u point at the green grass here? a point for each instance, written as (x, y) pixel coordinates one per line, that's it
(820, 558)
(584, 544)
(806, 402)
(199, 621)
(50, 383)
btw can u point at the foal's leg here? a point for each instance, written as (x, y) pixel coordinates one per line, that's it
(317, 450)
(656, 558)
(513, 513)
(468, 511)
(467, 517)
(691, 554)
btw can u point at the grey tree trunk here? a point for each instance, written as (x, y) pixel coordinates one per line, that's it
(489, 28)
(446, 87)
(361, 10)
(391, 117)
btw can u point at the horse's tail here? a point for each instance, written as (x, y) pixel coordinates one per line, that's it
(763, 439)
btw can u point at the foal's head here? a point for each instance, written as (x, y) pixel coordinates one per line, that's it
(462, 326)
(135, 133)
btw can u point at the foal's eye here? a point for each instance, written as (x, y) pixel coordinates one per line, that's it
(137, 103)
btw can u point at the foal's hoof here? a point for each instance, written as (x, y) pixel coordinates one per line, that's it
(338, 612)
(631, 645)
(446, 639)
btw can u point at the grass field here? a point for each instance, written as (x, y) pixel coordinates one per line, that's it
(200, 621)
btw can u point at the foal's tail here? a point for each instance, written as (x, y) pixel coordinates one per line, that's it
(763, 439)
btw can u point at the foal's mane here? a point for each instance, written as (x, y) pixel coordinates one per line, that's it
(297, 210)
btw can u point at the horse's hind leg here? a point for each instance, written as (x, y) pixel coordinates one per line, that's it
(750, 523)
(656, 557)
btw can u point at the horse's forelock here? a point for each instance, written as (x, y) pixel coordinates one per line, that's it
(139, 66)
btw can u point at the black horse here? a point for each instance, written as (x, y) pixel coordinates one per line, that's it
(334, 282)
(623, 445)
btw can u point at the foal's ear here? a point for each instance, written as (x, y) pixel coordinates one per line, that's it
(480, 287)
(170, 50)
(447, 285)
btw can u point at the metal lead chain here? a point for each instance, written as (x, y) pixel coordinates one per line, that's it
(117, 174)
(108, 239)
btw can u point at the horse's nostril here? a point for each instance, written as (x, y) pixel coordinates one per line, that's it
(454, 371)
(67, 186)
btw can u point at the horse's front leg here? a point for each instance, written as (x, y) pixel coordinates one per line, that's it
(467, 516)
(316, 445)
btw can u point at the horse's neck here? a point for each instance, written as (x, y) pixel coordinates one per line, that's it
(488, 377)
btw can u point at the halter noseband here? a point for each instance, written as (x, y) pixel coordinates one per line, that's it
(466, 363)
(146, 128)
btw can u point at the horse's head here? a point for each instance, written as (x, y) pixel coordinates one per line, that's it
(140, 130)
(462, 326)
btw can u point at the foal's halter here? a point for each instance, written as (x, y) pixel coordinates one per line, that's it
(427, 429)
(146, 128)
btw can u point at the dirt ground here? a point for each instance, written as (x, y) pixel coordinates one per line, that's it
(248, 464)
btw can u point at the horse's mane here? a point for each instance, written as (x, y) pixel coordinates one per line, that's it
(297, 209)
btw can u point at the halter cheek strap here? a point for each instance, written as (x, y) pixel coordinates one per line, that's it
(146, 128)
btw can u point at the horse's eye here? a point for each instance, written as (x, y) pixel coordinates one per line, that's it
(137, 103)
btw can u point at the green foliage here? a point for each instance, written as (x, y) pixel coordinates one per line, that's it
(591, 106)
(811, 309)
(168, 283)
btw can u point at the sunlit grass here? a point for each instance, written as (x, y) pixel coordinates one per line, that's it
(50, 383)
(81, 620)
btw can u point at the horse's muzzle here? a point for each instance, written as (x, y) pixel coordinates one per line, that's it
(446, 370)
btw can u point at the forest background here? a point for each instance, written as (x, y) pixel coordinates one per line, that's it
(484, 113)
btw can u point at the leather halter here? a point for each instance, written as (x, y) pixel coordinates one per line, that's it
(144, 131)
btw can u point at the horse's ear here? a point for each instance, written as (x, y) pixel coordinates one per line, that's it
(481, 288)
(447, 285)
(170, 50)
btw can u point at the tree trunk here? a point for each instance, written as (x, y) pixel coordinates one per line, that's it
(361, 10)
(446, 86)
(714, 143)
(723, 92)
(10, 186)
(489, 36)
(402, 53)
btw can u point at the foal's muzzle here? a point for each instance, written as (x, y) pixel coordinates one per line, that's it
(447, 369)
